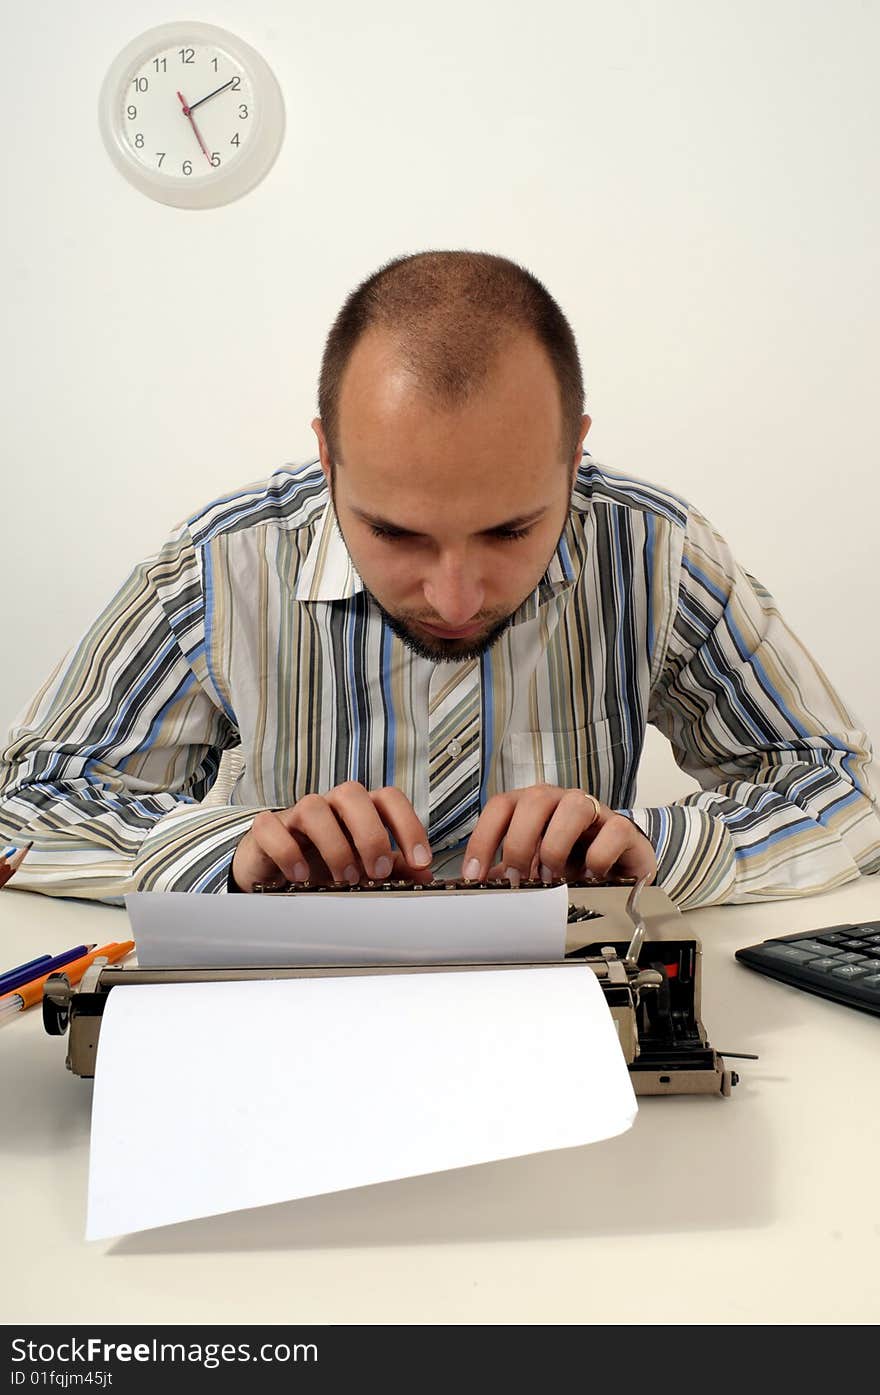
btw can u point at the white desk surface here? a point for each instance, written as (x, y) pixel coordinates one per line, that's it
(761, 1208)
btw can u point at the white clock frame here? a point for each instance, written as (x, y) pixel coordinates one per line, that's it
(222, 185)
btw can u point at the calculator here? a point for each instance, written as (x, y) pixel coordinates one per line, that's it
(841, 963)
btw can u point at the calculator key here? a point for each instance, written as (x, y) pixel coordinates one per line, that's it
(858, 945)
(849, 971)
(789, 952)
(834, 936)
(872, 981)
(811, 946)
(820, 965)
(849, 958)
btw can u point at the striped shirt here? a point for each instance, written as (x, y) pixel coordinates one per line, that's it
(251, 629)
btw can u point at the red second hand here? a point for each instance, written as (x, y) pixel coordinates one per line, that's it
(189, 116)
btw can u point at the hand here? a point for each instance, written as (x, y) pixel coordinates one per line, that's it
(208, 97)
(187, 111)
(339, 837)
(545, 831)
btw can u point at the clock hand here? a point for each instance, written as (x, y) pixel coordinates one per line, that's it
(188, 114)
(212, 94)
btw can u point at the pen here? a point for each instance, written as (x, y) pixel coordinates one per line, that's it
(32, 992)
(5, 985)
(12, 864)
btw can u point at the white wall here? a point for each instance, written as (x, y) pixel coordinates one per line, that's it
(694, 180)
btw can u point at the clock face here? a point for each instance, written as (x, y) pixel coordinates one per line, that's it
(188, 111)
(191, 115)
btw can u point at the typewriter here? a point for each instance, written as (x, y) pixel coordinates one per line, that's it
(629, 935)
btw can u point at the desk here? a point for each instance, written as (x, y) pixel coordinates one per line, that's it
(760, 1208)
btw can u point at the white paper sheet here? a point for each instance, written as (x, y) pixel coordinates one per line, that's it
(172, 929)
(215, 1097)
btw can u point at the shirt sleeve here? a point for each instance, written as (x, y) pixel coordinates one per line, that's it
(786, 807)
(106, 769)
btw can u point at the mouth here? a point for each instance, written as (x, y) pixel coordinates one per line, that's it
(461, 632)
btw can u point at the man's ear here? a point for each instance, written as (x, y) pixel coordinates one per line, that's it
(586, 423)
(323, 451)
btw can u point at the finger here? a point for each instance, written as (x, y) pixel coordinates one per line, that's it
(575, 815)
(488, 834)
(365, 827)
(535, 809)
(409, 832)
(269, 848)
(620, 846)
(402, 871)
(502, 873)
(314, 819)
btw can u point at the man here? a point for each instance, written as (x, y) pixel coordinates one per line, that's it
(437, 648)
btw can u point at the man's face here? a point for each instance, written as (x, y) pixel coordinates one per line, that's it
(450, 516)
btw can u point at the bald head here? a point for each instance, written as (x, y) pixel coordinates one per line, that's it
(446, 320)
(402, 422)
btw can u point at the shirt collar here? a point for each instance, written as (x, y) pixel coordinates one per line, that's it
(329, 574)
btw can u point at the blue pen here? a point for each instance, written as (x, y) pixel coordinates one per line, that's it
(20, 968)
(49, 966)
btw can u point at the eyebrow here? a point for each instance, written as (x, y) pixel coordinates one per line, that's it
(509, 524)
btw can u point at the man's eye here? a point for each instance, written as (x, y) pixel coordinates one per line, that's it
(390, 533)
(511, 534)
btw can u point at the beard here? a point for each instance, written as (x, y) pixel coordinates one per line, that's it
(443, 651)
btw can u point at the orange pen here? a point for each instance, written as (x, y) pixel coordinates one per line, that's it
(30, 993)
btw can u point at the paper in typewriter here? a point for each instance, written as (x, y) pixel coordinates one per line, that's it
(174, 929)
(213, 1097)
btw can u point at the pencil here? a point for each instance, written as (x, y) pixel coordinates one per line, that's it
(11, 865)
(31, 993)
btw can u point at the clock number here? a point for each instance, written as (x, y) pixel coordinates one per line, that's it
(132, 113)
(235, 140)
(160, 64)
(161, 156)
(140, 84)
(215, 158)
(187, 167)
(214, 61)
(139, 141)
(236, 84)
(187, 55)
(242, 112)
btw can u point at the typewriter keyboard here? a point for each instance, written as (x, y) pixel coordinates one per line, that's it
(842, 963)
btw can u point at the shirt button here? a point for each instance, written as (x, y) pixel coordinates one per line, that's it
(453, 750)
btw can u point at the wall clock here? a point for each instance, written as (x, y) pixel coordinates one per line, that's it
(191, 115)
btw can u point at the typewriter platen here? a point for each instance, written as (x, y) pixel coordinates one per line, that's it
(630, 936)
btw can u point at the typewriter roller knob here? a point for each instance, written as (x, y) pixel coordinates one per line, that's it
(56, 1004)
(648, 978)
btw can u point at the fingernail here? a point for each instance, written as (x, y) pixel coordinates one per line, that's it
(300, 872)
(382, 868)
(350, 874)
(472, 870)
(420, 855)
(546, 873)
(512, 876)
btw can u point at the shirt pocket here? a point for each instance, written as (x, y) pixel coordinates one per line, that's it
(583, 758)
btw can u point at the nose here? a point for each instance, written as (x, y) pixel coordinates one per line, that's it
(454, 590)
